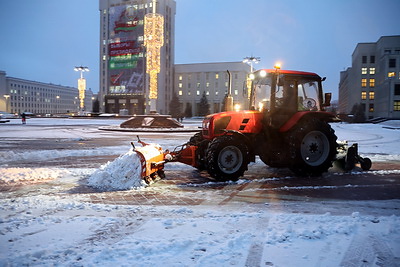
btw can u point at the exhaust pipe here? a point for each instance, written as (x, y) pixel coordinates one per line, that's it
(229, 98)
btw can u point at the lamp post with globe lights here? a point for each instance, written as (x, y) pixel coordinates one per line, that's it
(250, 61)
(6, 97)
(81, 87)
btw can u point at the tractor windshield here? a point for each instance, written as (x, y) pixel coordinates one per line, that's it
(291, 93)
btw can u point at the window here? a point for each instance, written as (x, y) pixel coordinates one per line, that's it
(180, 77)
(207, 84)
(364, 59)
(364, 70)
(363, 95)
(372, 59)
(391, 74)
(180, 85)
(198, 85)
(392, 63)
(397, 89)
(363, 82)
(371, 107)
(372, 95)
(197, 92)
(180, 92)
(371, 71)
(216, 75)
(371, 82)
(396, 105)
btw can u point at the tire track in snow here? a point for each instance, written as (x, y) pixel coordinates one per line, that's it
(368, 251)
(257, 247)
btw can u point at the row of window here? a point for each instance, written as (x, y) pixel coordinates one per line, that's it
(198, 85)
(364, 82)
(370, 94)
(371, 59)
(216, 75)
(180, 92)
(392, 61)
(35, 88)
(365, 71)
(396, 106)
(34, 105)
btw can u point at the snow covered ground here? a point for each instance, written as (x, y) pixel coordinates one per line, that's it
(58, 228)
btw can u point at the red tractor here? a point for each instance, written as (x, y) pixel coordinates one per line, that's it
(289, 129)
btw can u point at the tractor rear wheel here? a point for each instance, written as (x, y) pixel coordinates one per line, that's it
(227, 158)
(312, 148)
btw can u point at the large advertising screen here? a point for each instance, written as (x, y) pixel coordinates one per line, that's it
(126, 64)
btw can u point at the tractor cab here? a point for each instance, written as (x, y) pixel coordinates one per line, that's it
(280, 94)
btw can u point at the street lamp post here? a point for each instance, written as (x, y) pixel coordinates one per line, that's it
(57, 104)
(81, 87)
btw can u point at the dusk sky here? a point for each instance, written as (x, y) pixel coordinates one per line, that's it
(43, 40)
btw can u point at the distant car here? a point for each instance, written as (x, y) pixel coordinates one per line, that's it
(6, 115)
(3, 117)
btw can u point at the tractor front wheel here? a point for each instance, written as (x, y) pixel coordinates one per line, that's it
(227, 158)
(312, 148)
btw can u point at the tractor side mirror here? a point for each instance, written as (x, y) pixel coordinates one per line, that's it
(328, 98)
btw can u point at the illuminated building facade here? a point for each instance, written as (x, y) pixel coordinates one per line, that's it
(373, 80)
(124, 75)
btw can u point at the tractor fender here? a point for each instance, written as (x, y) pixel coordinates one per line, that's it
(245, 139)
(321, 115)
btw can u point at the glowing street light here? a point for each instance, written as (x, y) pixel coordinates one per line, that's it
(81, 86)
(6, 97)
(250, 61)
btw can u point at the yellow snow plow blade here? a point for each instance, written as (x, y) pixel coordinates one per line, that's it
(152, 161)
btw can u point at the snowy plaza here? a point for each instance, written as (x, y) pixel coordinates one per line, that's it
(55, 210)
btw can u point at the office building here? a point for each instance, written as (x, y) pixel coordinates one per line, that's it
(124, 82)
(373, 80)
(20, 95)
(212, 79)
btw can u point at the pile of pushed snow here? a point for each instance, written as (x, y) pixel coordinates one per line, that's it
(15, 175)
(121, 174)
